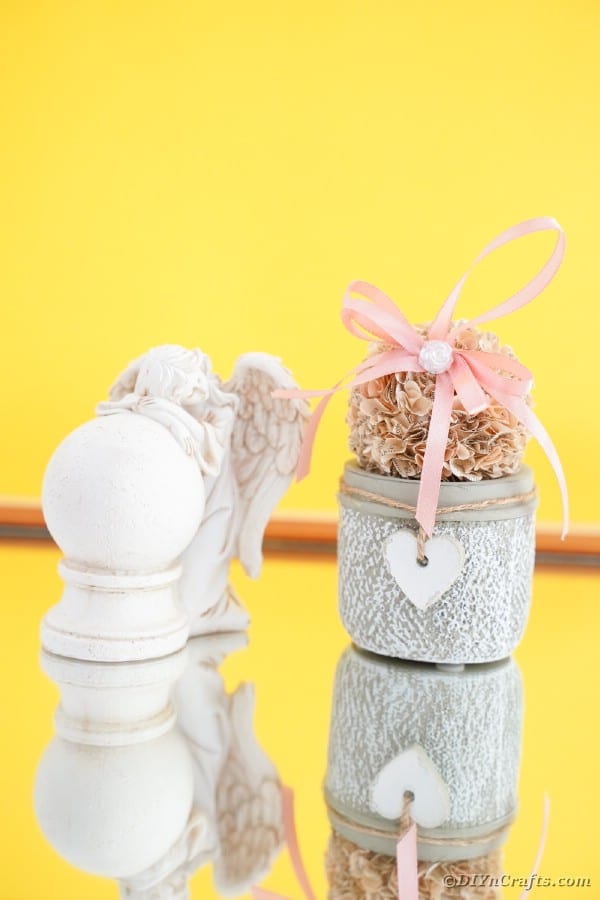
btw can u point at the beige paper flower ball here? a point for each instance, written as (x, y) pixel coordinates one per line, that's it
(389, 421)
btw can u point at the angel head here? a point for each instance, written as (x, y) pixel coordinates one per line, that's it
(177, 388)
(170, 372)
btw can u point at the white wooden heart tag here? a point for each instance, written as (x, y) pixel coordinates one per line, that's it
(423, 585)
(411, 770)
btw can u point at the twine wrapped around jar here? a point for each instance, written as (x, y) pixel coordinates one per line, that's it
(488, 503)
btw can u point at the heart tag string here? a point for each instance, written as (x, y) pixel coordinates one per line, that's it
(474, 376)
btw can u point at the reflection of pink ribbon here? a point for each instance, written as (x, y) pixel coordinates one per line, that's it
(406, 856)
(474, 375)
(291, 839)
(540, 850)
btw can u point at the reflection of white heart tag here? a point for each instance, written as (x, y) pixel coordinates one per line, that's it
(411, 770)
(423, 585)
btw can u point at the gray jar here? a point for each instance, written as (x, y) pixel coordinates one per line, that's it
(466, 724)
(482, 615)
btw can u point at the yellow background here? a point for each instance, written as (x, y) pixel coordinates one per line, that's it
(214, 174)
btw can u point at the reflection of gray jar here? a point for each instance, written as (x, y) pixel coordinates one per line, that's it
(481, 615)
(465, 726)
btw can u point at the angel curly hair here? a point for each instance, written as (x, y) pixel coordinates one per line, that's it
(389, 421)
(176, 373)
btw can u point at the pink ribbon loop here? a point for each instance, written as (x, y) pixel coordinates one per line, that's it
(474, 375)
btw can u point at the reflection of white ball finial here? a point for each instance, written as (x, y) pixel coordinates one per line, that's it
(123, 500)
(114, 811)
(114, 788)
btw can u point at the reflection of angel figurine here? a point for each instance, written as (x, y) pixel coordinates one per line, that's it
(247, 445)
(235, 783)
(248, 805)
(235, 786)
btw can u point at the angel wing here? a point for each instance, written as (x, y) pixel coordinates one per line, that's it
(266, 440)
(248, 805)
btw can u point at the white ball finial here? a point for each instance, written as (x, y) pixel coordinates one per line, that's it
(119, 494)
(122, 499)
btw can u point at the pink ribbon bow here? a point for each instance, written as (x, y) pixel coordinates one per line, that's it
(474, 375)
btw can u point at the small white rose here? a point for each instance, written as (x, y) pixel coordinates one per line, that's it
(436, 357)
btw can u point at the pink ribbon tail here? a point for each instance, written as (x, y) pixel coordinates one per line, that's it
(435, 451)
(541, 845)
(291, 839)
(310, 432)
(525, 414)
(375, 367)
(406, 863)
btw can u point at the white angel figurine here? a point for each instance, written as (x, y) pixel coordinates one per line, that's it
(246, 443)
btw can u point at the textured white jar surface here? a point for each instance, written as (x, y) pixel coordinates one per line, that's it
(468, 723)
(481, 617)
